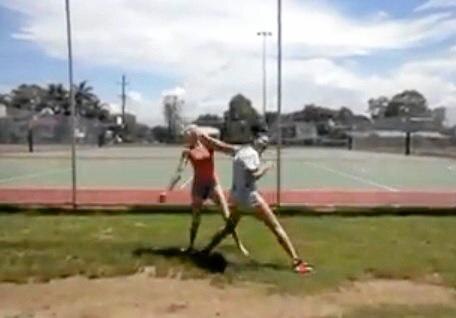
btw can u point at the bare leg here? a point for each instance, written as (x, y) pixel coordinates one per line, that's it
(224, 231)
(268, 217)
(196, 220)
(219, 198)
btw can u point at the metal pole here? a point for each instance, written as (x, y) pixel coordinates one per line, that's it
(72, 105)
(279, 102)
(124, 83)
(264, 76)
(264, 34)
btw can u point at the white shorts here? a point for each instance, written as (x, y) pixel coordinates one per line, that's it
(245, 199)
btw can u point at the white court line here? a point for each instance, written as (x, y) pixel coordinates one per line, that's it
(183, 185)
(33, 175)
(354, 177)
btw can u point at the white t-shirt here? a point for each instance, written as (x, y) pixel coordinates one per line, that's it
(246, 161)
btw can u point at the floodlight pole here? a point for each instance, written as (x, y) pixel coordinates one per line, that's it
(264, 35)
(279, 102)
(72, 105)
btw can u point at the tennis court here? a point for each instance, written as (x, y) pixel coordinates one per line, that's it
(310, 176)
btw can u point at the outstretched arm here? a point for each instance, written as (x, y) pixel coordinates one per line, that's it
(180, 168)
(216, 144)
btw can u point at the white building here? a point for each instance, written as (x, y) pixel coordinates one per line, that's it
(2, 111)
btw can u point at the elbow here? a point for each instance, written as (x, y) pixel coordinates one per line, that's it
(257, 175)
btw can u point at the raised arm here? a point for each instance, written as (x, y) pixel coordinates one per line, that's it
(216, 144)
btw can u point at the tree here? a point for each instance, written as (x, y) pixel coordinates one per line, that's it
(86, 102)
(160, 133)
(172, 108)
(315, 113)
(242, 120)
(208, 118)
(57, 99)
(240, 108)
(406, 104)
(377, 107)
(344, 115)
(104, 114)
(27, 97)
(211, 120)
(271, 117)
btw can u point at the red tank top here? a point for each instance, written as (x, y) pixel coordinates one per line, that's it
(202, 160)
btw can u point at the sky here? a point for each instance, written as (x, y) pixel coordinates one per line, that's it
(335, 52)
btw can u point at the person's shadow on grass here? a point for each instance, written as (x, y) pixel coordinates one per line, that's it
(213, 262)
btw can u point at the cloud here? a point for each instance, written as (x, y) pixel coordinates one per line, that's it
(146, 110)
(443, 67)
(436, 4)
(4, 88)
(176, 91)
(135, 96)
(174, 36)
(211, 50)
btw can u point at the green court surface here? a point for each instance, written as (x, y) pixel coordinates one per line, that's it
(151, 167)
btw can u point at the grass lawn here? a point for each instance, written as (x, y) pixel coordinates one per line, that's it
(41, 247)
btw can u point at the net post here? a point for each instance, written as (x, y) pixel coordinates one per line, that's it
(407, 143)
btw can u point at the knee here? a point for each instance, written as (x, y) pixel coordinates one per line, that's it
(231, 223)
(196, 216)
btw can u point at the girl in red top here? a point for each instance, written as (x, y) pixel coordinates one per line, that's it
(205, 183)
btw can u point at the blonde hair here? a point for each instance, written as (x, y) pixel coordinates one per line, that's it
(190, 128)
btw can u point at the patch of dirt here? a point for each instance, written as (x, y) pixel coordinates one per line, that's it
(144, 296)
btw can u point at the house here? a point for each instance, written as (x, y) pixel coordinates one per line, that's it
(406, 124)
(2, 111)
(359, 122)
(296, 133)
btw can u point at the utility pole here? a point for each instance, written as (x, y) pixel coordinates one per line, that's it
(124, 98)
(264, 35)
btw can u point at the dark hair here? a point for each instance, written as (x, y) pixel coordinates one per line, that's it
(259, 129)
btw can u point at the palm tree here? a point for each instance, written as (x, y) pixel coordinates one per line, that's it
(86, 101)
(57, 98)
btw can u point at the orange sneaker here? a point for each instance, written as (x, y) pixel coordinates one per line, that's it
(302, 267)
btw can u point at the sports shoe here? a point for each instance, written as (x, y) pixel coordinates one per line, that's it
(302, 267)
